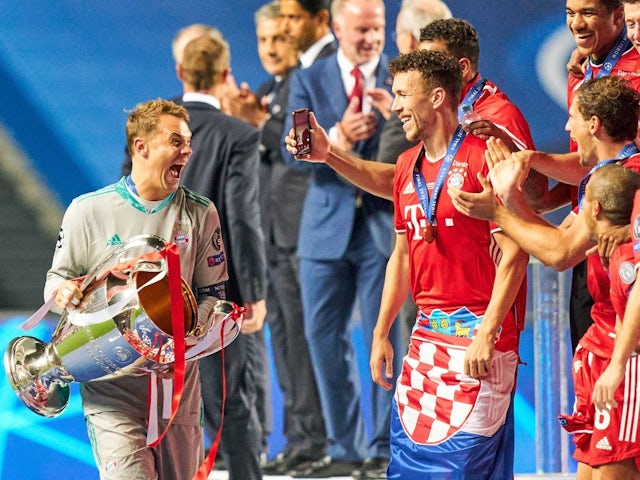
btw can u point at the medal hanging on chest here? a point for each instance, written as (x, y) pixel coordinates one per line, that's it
(427, 203)
(429, 232)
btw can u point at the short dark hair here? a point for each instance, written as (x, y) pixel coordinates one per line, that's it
(436, 69)
(315, 6)
(614, 102)
(614, 187)
(611, 5)
(458, 35)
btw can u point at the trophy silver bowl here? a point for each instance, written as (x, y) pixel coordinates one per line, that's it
(122, 326)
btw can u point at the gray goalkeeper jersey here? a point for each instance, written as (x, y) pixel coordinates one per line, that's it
(97, 223)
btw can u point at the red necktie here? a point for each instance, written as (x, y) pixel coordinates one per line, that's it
(357, 87)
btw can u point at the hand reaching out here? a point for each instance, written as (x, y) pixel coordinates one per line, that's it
(381, 100)
(608, 241)
(481, 205)
(507, 170)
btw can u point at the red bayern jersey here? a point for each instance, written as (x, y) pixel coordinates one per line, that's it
(628, 67)
(622, 274)
(495, 106)
(635, 227)
(457, 269)
(600, 336)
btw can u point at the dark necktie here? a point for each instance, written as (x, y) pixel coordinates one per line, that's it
(358, 87)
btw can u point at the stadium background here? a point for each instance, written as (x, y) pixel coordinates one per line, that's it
(70, 69)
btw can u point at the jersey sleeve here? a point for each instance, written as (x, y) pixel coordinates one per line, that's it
(635, 227)
(70, 258)
(210, 270)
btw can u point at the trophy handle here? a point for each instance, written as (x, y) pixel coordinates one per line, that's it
(217, 329)
(138, 241)
(24, 361)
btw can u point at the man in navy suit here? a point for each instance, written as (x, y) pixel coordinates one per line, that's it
(345, 241)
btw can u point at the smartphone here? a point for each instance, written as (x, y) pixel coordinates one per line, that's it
(302, 130)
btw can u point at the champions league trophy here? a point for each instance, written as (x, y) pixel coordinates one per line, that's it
(122, 326)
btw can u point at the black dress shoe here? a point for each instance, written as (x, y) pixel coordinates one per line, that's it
(372, 468)
(325, 468)
(286, 461)
(276, 465)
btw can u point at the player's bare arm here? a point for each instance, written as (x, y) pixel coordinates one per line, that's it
(373, 177)
(395, 291)
(559, 247)
(509, 276)
(564, 167)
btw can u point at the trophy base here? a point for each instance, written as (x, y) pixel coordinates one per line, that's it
(24, 359)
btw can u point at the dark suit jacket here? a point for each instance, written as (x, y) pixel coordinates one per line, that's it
(282, 188)
(224, 168)
(329, 209)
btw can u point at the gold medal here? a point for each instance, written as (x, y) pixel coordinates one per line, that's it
(429, 233)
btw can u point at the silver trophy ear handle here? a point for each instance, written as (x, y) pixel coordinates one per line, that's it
(24, 359)
(223, 322)
(152, 241)
(224, 307)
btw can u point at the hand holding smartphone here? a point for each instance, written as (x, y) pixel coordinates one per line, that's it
(302, 130)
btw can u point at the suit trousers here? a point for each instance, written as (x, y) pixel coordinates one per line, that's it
(329, 292)
(241, 434)
(303, 424)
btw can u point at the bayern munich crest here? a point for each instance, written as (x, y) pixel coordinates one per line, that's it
(636, 227)
(456, 180)
(181, 238)
(627, 273)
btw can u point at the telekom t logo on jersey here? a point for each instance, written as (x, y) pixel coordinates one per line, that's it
(415, 218)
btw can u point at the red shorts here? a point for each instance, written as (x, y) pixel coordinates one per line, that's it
(604, 437)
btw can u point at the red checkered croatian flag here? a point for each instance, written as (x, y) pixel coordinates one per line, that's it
(436, 399)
